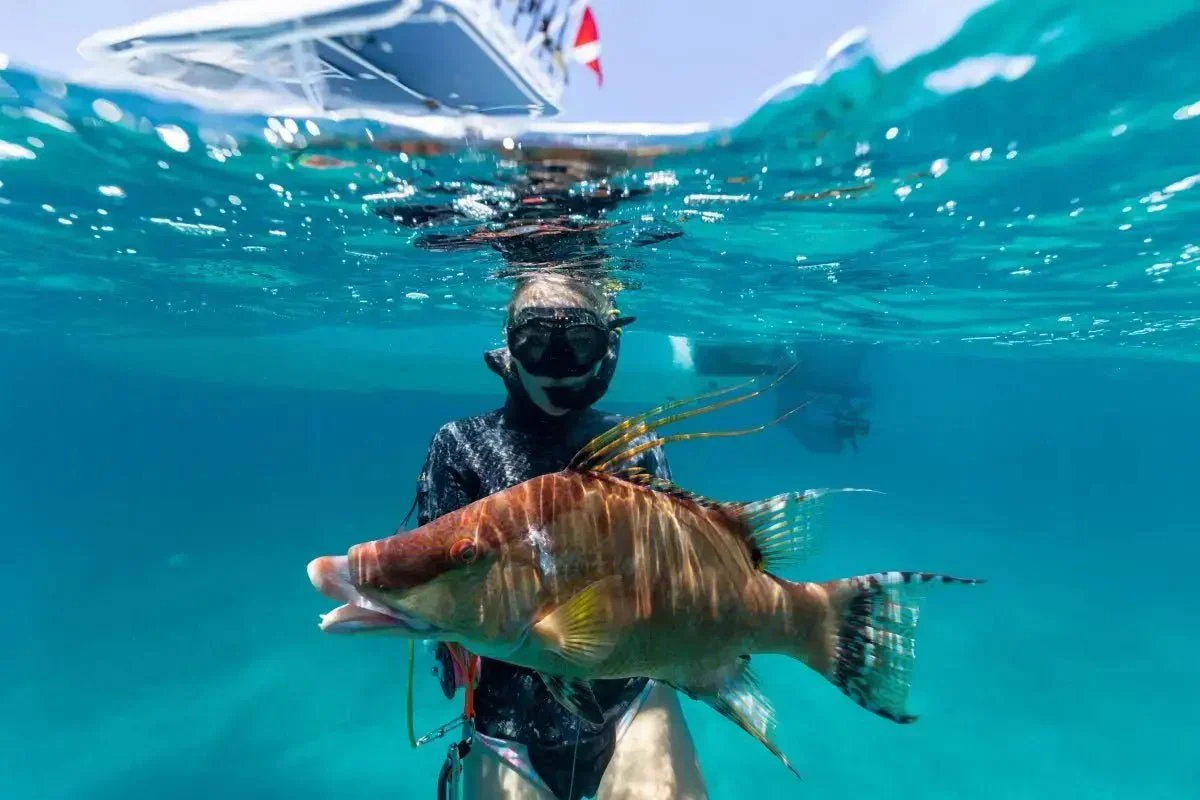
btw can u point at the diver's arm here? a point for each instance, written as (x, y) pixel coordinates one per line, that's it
(656, 460)
(441, 487)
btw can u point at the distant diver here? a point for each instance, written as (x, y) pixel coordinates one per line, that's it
(827, 386)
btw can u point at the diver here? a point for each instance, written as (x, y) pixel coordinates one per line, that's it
(562, 345)
(827, 405)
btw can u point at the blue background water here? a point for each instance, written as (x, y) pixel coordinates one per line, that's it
(163, 641)
(1030, 315)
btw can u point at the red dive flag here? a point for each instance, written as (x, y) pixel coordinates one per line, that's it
(587, 45)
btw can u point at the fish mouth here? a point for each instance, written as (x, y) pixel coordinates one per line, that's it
(330, 575)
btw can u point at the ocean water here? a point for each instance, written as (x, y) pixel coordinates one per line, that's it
(219, 360)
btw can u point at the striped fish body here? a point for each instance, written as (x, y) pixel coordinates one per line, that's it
(583, 576)
(598, 573)
(673, 585)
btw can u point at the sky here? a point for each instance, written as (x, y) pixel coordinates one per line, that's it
(663, 60)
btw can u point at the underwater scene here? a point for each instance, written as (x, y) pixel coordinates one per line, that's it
(968, 282)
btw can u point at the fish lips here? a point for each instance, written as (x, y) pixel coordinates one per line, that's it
(331, 576)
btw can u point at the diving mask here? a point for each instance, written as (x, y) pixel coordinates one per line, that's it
(560, 342)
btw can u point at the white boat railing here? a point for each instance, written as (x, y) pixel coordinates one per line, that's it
(248, 45)
(545, 24)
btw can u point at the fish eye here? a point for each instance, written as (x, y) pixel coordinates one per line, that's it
(463, 551)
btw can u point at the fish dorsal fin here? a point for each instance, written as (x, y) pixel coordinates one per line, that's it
(735, 694)
(784, 529)
(640, 477)
(781, 530)
(630, 437)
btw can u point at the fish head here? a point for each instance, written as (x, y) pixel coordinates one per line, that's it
(440, 581)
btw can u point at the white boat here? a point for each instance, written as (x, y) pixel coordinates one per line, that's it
(477, 57)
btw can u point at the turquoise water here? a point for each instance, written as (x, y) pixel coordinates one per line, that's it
(191, 413)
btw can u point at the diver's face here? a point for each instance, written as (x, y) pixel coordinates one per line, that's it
(548, 393)
(558, 352)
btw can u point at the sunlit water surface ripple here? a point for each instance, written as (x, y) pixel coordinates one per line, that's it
(1030, 182)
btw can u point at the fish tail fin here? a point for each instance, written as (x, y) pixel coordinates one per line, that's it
(864, 643)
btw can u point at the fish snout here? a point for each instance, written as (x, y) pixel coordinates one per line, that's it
(333, 577)
(330, 575)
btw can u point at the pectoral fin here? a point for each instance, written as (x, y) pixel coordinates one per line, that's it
(584, 629)
(576, 696)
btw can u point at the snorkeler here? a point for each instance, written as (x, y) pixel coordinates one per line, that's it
(563, 341)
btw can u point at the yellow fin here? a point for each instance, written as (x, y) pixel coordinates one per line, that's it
(583, 629)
